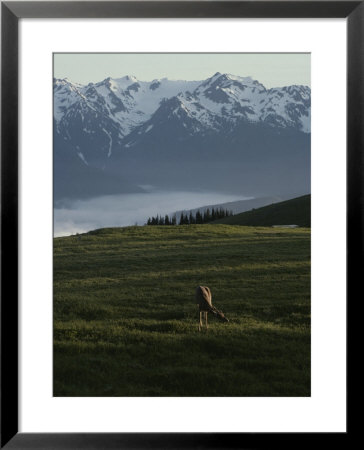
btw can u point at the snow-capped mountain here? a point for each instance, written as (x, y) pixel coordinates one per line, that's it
(229, 99)
(108, 123)
(103, 114)
(125, 101)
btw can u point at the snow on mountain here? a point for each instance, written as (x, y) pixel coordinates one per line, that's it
(130, 103)
(126, 101)
(98, 118)
(65, 95)
(229, 99)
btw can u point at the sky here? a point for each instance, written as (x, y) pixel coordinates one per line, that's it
(270, 69)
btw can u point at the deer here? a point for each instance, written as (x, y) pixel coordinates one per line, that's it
(204, 301)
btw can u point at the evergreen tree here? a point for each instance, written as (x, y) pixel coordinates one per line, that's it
(208, 215)
(190, 218)
(213, 214)
(198, 217)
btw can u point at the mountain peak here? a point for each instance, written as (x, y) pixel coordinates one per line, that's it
(58, 81)
(131, 78)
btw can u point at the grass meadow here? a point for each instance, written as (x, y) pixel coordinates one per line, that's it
(126, 320)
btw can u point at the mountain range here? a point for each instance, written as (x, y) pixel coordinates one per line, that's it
(224, 133)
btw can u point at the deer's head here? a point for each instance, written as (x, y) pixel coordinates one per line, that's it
(222, 317)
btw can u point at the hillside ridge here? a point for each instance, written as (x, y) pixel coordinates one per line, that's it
(296, 211)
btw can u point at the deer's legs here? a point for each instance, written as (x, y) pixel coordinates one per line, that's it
(200, 323)
(206, 312)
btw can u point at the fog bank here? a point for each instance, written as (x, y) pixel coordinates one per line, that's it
(80, 216)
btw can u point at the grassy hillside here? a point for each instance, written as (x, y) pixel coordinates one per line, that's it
(296, 211)
(126, 322)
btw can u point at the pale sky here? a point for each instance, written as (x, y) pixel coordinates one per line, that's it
(271, 69)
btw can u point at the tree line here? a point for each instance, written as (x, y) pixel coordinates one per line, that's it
(190, 218)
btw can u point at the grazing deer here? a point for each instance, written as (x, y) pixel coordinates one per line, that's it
(204, 301)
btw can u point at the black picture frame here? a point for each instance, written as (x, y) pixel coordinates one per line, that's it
(11, 12)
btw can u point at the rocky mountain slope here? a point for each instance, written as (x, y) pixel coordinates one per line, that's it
(131, 129)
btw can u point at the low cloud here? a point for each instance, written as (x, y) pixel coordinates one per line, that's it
(80, 216)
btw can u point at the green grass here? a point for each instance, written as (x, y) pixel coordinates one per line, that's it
(126, 321)
(296, 211)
